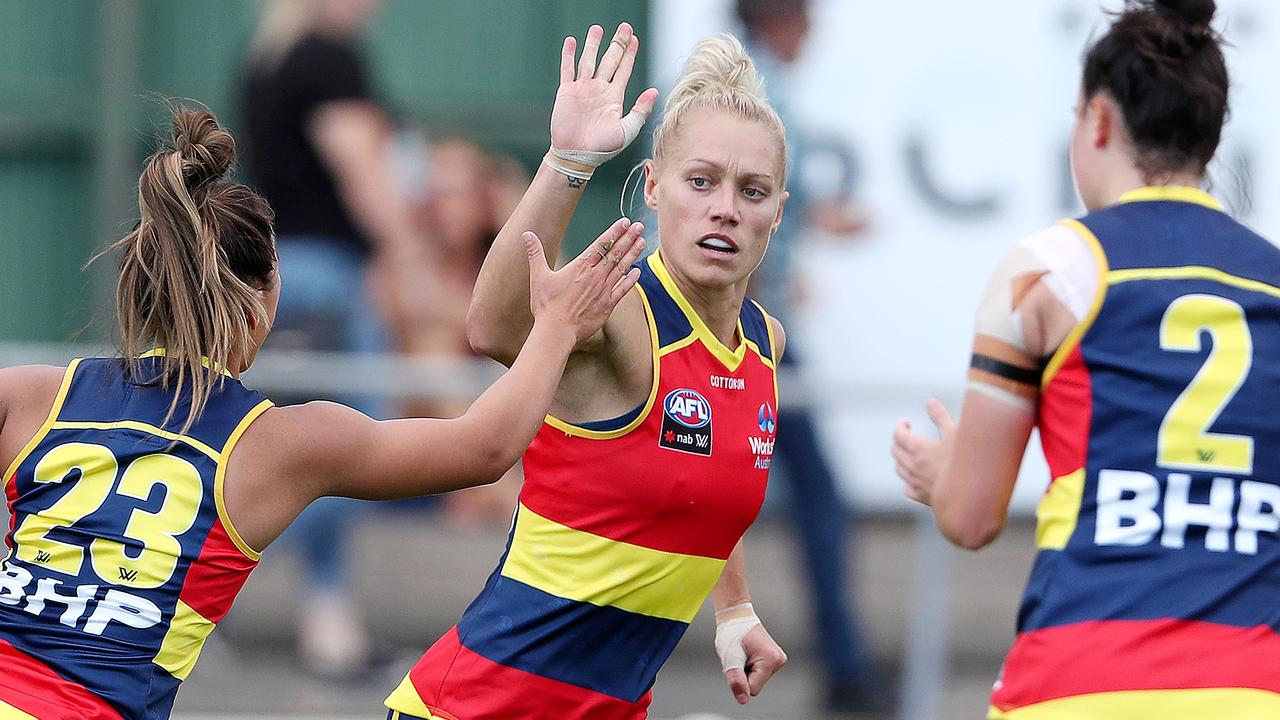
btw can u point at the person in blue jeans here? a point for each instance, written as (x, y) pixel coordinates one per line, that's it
(317, 149)
(776, 31)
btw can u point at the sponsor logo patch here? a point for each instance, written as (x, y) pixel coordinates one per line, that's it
(686, 422)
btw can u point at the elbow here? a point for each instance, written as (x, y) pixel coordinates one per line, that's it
(488, 338)
(972, 532)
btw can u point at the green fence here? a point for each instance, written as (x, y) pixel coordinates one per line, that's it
(81, 82)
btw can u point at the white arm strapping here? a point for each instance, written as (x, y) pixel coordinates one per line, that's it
(593, 159)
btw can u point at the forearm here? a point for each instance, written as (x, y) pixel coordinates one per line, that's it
(731, 588)
(513, 408)
(499, 316)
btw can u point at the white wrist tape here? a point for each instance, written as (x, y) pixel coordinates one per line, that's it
(732, 625)
(580, 163)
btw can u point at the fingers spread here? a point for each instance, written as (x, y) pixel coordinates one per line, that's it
(738, 685)
(627, 61)
(566, 59)
(622, 39)
(587, 63)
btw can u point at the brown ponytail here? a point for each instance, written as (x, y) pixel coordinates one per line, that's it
(191, 269)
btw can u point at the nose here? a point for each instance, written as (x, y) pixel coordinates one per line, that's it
(724, 205)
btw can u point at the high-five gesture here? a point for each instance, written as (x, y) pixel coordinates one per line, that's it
(583, 293)
(587, 120)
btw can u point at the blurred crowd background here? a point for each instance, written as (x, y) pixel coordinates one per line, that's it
(395, 137)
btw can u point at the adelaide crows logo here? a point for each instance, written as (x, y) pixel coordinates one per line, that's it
(686, 422)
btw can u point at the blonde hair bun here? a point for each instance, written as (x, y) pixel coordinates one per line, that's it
(719, 75)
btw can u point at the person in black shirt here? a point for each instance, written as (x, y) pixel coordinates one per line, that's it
(316, 142)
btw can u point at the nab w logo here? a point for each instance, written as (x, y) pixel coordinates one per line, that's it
(43, 557)
(127, 575)
(688, 408)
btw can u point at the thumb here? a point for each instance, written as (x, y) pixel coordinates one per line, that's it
(537, 257)
(939, 415)
(737, 680)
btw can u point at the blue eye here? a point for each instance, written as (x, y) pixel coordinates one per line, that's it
(753, 192)
(699, 182)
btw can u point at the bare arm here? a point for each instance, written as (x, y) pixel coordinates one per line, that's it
(420, 456)
(350, 136)
(587, 117)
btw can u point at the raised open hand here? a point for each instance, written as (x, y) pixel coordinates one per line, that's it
(588, 113)
(583, 293)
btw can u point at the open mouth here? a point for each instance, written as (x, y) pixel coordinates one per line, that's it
(719, 244)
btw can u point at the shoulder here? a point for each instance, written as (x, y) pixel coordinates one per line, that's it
(779, 336)
(30, 384)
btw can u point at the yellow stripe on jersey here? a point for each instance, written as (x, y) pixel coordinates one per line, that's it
(731, 359)
(1073, 338)
(1177, 193)
(1191, 272)
(140, 427)
(58, 400)
(1058, 511)
(405, 699)
(9, 712)
(183, 642)
(1181, 704)
(220, 479)
(580, 566)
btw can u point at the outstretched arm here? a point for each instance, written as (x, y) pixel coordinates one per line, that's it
(341, 451)
(588, 127)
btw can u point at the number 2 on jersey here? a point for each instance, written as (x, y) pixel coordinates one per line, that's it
(156, 532)
(1184, 440)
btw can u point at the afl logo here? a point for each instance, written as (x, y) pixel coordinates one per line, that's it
(767, 419)
(688, 408)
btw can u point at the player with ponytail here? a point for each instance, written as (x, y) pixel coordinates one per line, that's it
(1143, 340)
(144, 487)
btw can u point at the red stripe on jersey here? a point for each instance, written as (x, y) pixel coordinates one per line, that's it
(1066, 411)
(1118, 655)
(497, 692)
(32, 687)
(216, 577)
(633, 490)
(11, 498)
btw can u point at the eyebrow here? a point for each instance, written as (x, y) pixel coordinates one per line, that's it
(718, 166)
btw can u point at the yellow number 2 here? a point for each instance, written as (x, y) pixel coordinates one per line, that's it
(1184, 440)
(97, 468)
(155, 534)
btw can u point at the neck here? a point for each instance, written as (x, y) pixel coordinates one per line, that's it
(718, 307)
(1130, 178)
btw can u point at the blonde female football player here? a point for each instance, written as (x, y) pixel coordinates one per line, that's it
(654, 459)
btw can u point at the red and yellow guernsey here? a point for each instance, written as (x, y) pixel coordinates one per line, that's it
(1156, 589)
(121, 559)
(621, 532)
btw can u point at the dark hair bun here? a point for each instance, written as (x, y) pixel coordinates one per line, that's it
(207, 150)
(1195, 13)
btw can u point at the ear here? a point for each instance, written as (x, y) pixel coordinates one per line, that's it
(1102, 118)
(777, 219)
(650, 186)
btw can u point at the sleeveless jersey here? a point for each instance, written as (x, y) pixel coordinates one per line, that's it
(120, 556)
(619, 535)
(1156, 588)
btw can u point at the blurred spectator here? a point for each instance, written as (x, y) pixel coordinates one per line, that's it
(466, 199)
(776, 31)
(316, 140)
